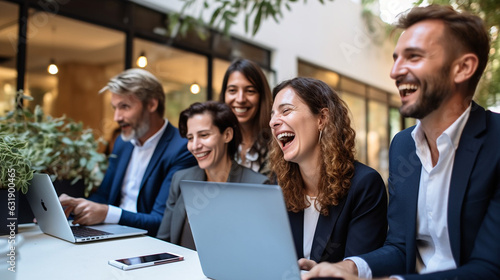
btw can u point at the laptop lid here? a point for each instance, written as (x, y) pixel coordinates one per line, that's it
(241, 231)
(50, 216)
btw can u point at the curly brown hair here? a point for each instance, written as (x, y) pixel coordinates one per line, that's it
(337, 147)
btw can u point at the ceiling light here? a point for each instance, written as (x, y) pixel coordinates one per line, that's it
(194, 88)
(142, 60)
(52, 69)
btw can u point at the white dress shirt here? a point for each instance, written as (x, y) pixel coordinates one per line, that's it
(433, 240)
(139, 160)
(311, 216)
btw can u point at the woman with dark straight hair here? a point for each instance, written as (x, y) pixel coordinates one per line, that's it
(246, 90)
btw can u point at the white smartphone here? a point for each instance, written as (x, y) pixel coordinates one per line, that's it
(147, 260)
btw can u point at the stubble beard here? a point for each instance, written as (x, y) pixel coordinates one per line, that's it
(433, 92)
(140, 130)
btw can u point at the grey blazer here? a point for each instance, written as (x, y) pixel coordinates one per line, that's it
(175, 214)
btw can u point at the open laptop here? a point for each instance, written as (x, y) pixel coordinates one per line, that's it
(50, 216)
(241, 231)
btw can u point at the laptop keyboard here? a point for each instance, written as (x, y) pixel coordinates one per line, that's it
(81, 231)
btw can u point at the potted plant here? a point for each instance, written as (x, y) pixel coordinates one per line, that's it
(60, 147)
(15, 175)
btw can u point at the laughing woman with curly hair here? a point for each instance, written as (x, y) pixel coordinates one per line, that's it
(337, 206)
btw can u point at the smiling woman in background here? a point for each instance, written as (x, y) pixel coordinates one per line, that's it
(213, 137)
(246, 90)
(337, 206)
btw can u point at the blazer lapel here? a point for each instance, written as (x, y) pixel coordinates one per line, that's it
(465, 158)
(297, 226)
(404, 180)
(235, 172)
(121, 168)
(157, 154)
(324, 229)
(411, 188)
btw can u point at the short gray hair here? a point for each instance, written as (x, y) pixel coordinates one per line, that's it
(140, 83)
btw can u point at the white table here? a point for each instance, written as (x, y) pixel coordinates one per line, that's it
(40, 256)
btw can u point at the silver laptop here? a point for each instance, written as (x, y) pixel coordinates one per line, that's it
(50, 216)
(241, 231)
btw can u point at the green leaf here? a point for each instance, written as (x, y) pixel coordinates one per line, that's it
(28, 114)
(201, 30)
(227, 25)
(86, 137)
(184, 27)
(27, 97)
(214, 16)
(173, 24)
(247, 19)
(273, 13)
(258, 16)
(67, 141)
(83, 161)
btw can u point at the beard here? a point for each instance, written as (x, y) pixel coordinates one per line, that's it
(434, 89)
(139, 130)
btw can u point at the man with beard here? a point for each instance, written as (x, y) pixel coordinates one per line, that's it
(444, 181)
(150, 150)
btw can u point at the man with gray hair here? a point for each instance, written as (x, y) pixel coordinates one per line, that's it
(150, 150)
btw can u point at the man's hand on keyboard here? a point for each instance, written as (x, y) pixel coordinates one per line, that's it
(85, 212)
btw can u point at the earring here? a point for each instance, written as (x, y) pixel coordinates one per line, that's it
(320, 133)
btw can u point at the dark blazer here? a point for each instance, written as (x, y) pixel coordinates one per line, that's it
(358, 224)
(473, 207)
(175, 214)
(169, 156)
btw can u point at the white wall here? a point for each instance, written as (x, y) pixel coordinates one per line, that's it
(332, 35)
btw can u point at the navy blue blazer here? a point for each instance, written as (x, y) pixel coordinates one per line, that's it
(169, 156)
(473, 207)
(358, 224)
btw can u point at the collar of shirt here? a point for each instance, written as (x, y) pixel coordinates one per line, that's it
(433, 244)
(151, 141)
(451, 135)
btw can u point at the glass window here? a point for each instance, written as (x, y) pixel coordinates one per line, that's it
(394, 100)
(8, 51)
(231, 48)
(352, 86)
(329, 77)
(395, 122)
(357, 106)
(177, 70)
(378, 142)
(86, 55)
(220, 66)
(375, 94)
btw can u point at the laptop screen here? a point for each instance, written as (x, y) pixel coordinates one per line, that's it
(241, 231)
